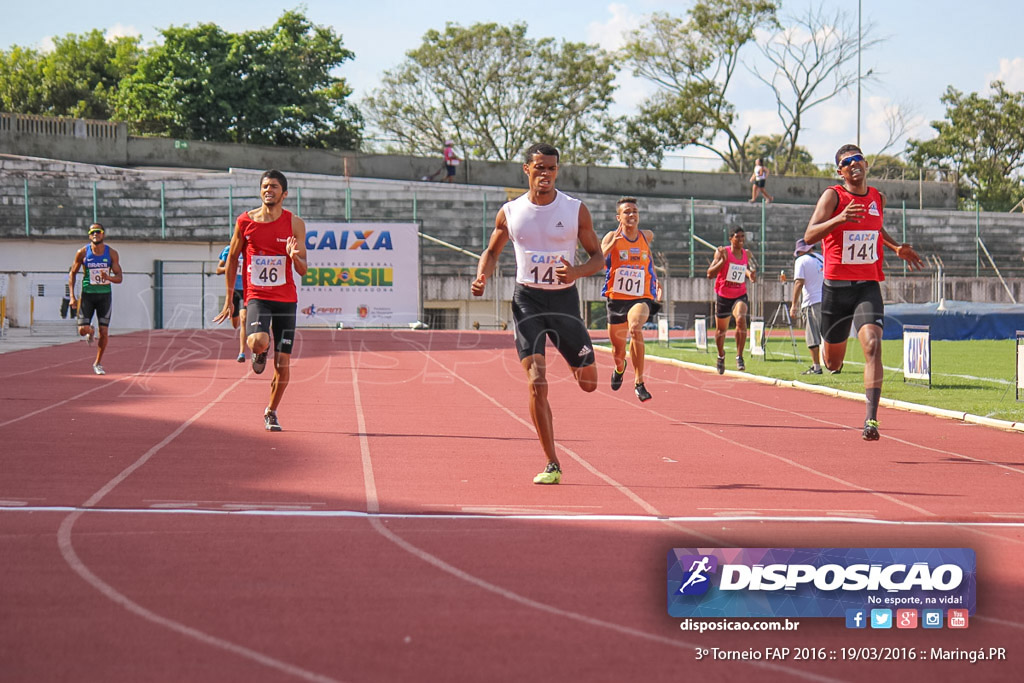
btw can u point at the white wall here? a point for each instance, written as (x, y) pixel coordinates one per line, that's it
(31, 263)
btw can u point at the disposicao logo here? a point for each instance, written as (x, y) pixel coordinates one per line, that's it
(695, 581)
(817, 582)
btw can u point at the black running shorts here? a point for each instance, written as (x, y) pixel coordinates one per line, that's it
(541, 314)
(723, 305)
(844, 302)
(236, 303)
(618, 309)
(276, 318)
(94, 302)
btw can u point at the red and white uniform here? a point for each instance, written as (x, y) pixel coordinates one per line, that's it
(731, 282)
(853, 251)
(268, 268)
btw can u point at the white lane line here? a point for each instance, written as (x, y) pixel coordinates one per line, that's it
(67, 551)
(379, 526)
(678, 364)
(582, 518)
(643, 504)
(103, 384)
(369, 483)
(783, 459)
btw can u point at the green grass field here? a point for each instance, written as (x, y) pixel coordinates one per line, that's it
(976, 377)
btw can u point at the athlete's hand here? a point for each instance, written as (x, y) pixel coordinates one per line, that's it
(225, 312)
(291, 247)
(907, 253)
(564, 272)
(478, 285)
(851, 213)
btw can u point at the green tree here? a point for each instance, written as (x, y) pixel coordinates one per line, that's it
(496, 91)
(810, 61)
(21, 75)
(981, 139)
(79, 77)
(888, 167)
(269, 86)
(693, 62)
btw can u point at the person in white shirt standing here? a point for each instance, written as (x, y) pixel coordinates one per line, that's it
(758, 179)
(808, 276)
(544, 226)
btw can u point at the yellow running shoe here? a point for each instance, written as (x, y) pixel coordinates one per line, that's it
(552, 474)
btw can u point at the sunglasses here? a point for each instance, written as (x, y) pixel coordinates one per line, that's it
(850, 160)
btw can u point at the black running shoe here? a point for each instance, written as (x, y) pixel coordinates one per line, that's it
(870, 432)
(617, 379)
(270, 422)
(836, 372)
(259, 362)
(642, 393)
(740, 365)
(811, 371)
(720, 366)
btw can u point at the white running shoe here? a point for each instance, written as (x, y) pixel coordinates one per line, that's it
(98, 369)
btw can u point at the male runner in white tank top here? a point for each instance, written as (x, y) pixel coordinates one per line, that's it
(544, 226)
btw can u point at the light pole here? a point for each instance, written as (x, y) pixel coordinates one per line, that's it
(858, 72)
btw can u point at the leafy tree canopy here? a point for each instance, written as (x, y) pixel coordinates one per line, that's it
(79, 77)
(270, 86)
(981, 139)
(496, 91)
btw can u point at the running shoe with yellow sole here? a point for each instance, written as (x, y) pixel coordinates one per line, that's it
(552, 474)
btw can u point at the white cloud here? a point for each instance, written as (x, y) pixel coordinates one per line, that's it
(121, 31)
(1011, 72)
(47, 44)
(760, 122)
(611, 34)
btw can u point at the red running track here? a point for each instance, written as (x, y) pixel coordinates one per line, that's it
(151, 530)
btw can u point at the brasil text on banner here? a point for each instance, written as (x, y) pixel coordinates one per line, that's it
(360, 275)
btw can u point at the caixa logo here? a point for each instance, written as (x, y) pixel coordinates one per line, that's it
(367, 240)
(695, 579)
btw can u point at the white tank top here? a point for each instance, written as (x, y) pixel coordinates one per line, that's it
(541, 235)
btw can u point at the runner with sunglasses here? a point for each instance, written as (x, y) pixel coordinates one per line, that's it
(848, 222)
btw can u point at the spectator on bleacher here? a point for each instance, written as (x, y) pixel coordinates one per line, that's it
(807, 279)
(848, 222)
(451, 161)
(757, 180)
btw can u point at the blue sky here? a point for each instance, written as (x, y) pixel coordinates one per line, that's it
(928, 46)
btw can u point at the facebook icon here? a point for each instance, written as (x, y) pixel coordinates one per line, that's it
(856, 618)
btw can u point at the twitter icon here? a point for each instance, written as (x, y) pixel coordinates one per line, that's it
(881, 618)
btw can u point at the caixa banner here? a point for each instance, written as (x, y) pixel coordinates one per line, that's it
(816, 582)
(360, 275)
